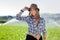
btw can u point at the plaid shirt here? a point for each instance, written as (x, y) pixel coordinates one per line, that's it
(32, 26)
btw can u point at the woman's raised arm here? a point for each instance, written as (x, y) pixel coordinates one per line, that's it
(19, 17)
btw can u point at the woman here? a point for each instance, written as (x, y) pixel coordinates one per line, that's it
(35, 22)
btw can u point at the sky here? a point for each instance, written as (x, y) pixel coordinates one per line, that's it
(13, 7)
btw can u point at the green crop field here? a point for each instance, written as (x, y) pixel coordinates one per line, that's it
(16, 32)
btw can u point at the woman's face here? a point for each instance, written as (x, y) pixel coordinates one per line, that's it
(33, 12)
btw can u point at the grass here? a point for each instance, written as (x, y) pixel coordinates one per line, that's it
(10, 32)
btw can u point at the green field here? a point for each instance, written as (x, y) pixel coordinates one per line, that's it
(10, 32)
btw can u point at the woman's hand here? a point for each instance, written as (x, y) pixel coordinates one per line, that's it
(38, 37)
(25, 8)
(22, 10)
(44, 36)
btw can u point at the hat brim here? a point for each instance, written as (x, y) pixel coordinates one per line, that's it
(36, 9)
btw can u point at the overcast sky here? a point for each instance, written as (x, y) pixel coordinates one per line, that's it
(12, 7)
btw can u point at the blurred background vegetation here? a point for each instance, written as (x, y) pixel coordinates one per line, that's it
(12, 29)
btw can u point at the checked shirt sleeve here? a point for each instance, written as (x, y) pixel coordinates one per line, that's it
(19, 17)
(44, 27)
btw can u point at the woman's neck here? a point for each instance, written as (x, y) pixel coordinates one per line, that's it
(36, 17)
